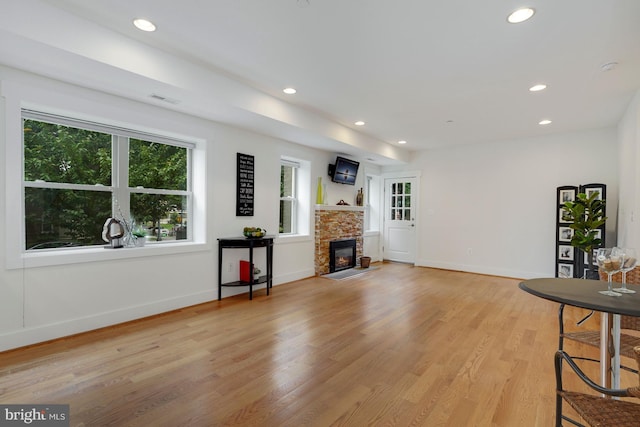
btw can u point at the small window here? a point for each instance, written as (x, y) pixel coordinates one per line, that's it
(288, 196)
(372, 203)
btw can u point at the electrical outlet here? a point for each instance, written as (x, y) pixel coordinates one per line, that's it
(230, 267)
(470, 251)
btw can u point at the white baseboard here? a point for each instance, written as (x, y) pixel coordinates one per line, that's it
(33, 335)
(491, 271)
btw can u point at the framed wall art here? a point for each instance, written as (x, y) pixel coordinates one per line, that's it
(244, 185)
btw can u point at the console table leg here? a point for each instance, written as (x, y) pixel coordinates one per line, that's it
(219, 271)
(269, 267)
(251, 279)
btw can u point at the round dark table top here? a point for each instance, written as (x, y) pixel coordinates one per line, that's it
(583, 293)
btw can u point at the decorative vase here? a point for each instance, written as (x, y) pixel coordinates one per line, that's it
(359, 198)
(319, 192)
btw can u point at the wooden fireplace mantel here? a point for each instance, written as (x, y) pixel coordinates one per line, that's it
(339, 208)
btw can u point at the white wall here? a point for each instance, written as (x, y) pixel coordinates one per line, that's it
(41, 303)
(629, 161)
(491, 208)
(497, 199)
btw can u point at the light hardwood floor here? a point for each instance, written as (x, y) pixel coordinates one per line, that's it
(398, 346)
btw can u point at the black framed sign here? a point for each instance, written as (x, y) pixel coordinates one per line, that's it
(244, 185)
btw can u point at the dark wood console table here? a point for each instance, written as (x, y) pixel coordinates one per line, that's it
(246, 243)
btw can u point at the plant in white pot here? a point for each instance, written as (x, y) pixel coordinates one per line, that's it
(140, 235)
(587, 216)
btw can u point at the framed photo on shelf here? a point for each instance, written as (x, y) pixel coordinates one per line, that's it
(589, 189)
(565, 271)
(565, 234)
(564, 216)
(566, 253)
(586, 257)
(566, 195)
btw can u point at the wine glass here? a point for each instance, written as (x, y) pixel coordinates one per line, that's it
(629, 262)
(609, 261)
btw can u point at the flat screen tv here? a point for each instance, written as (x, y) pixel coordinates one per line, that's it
(345, 171)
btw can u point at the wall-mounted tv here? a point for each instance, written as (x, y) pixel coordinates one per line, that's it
(345, 171)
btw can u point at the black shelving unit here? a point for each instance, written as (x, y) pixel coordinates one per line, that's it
(571, 262)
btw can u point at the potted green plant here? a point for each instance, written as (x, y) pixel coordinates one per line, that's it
(140, 235)
(586, 215)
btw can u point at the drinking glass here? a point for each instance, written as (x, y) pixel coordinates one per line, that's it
(609, 260)
(629, 262)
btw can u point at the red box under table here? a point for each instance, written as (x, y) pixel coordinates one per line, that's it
(245, 271)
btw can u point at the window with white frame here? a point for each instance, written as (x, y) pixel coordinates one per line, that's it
(367, 202)
(77, 174)
(288, 196)
(372, 203)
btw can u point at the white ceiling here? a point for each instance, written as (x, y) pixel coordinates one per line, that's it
(433, 73)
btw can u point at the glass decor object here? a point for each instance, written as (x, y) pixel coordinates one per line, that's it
(610, 261)
(629, 262)
(319, 198)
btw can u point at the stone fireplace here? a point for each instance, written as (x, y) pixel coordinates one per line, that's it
(342, 254)
(336, 223)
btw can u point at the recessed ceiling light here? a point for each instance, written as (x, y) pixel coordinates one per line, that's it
(544, 122)
(289, 91)
(144, 25)
(537, 88)
(402, 142)
(520, 15)
(359, 123)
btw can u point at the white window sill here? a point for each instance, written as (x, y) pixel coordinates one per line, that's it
(293, 238)
(101, 253)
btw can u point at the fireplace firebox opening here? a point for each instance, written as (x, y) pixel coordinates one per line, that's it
(342, 254)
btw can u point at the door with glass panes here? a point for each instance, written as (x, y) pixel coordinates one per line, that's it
(399, 219)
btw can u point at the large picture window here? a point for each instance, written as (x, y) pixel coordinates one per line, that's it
(77, 174)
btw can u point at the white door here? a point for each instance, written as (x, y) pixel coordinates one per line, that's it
(399, 219)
